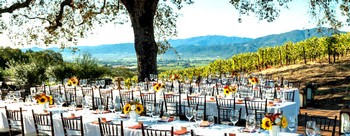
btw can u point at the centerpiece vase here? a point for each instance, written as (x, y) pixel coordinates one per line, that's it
(274, 130)
(45, 105)
(134, 117)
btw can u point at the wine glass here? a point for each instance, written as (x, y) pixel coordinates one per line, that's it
(250, 123)
(100, 109)
(279, 82)
(211, 120)
(199, 116)
(234, 116)
(156, 113)
(189, 113)
(292, 123)
(346, 128)
(310, 128)
(285, 83)
(149, 110)
(111, 106)
(118, 110)
(86, 107)
(151, 76)
(73, 106)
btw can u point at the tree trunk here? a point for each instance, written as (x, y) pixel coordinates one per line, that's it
(142, 14)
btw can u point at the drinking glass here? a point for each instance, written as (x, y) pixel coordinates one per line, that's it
(310, 128)
(189, 113)
(165, 116)
(111, 106)
(151, 76)
(199, 116)
(86, 107)
(73, 106)
(346, 128)
(149, 110)
(292, 123)
(234, 116)
(100, 109)
(156, 113)
(118, 110)
(285, 83)
(250, 122)
(211, 120)
(257, 126)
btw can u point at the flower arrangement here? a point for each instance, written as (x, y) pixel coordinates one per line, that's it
(274, 119)
(253, 80)
(229, 89)
(73, 81)
(174, 77)
(133, 106)
(158, 86)
(42, 98)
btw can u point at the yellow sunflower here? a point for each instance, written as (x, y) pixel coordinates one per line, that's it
(43, 99)
(73, 81)
(253, 80)
(233, 89)
(139, 108)
(227, 90)
(127, 108)
(50, 100)
(157, 86)
(284, 122)
(266, 124)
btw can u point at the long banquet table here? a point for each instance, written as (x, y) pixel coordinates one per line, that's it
(91, 129)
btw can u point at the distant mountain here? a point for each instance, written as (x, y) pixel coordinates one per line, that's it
(209, 40)
(211, 46)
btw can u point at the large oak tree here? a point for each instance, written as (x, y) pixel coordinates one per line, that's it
(63, 22)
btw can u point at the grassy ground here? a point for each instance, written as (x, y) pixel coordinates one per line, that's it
(332, 80)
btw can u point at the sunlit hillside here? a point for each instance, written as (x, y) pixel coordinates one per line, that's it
(332, 80)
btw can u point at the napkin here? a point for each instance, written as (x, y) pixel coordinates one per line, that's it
(96, 122)
(97, 112)
(180, 132)
(135, 127)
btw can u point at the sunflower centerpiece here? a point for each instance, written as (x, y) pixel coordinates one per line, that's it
(44, 99)
(273, 122)
(73, 81)
(253, 80)
(229, 90)
(158, 86)
(134, 109)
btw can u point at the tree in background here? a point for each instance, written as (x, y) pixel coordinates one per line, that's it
(87, 67)
(60, 71)
(62, 22)
(45, 57)
(27, 74)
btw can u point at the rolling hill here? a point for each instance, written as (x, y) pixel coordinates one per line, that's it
(211, 46)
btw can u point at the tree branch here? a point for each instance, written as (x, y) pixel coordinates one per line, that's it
(54, 25)
(41, 18)
(15, 7)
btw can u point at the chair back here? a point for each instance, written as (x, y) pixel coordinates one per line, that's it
(125, 97)
(43, 123)
(200, 102)
(256, 107)
(172, 103)
(111, 129)
(324, 123)
(289, 95)
(15, 120)
(72, 124)
(157, 132)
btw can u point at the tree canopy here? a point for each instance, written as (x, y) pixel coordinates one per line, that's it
(64, 22)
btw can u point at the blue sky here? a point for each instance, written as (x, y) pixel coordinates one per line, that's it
(214, 17)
